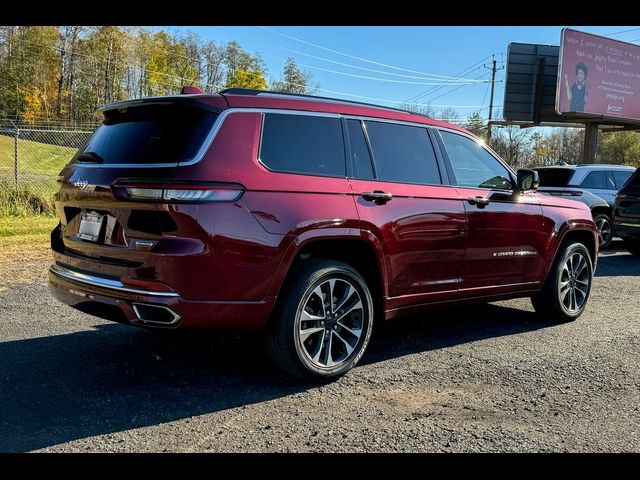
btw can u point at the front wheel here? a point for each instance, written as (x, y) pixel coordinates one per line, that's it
(323, 320)
(566, 290)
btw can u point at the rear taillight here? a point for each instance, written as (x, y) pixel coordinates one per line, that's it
(207, 192)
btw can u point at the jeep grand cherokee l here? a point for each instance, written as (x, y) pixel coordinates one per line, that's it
(308, 219)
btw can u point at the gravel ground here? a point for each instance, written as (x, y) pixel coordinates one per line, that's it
(481, 378)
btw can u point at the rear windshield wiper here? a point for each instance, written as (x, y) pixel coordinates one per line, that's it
(89, 157)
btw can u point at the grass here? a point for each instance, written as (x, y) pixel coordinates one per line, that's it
(40, 159)
(30, 229)
(38, 167)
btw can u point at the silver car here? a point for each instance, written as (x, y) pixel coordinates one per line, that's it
(593, 184)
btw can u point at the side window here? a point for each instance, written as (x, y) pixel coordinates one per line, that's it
(303, 144)
(473, 166)
(359, 151)
(595, 179)
(403, 153)
(621, 176)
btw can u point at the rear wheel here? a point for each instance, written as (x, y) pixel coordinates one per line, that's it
(566, 290)
(323, 321)
(605, 233)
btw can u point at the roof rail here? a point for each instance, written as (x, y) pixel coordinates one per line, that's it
(251, 91)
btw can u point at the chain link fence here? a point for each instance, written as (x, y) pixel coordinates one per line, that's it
(31, 157)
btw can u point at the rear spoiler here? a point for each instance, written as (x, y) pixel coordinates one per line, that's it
(194, 100)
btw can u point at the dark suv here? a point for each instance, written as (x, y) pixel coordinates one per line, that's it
(306, 218)
(626, 214)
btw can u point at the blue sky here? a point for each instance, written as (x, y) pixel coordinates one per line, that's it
(411, 62)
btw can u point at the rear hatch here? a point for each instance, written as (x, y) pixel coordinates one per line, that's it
(627, 209)
(138, 147)
(555, 181)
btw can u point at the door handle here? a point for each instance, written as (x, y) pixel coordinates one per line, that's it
(377, 196)
(478, 201)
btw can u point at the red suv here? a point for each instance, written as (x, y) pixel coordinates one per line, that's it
(306, 218)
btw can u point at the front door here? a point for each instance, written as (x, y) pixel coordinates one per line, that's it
(504, 228)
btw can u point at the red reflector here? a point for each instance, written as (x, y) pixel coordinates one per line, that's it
(146, 285)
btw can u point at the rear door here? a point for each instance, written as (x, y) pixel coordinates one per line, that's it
(504, 228)
(402, 199)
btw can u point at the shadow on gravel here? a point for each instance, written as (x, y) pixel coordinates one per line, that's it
(446, 327)
(617, 261)
(115, 378)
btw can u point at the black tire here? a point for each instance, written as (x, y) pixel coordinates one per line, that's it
(633, 246)
(282, 340)
(549, 303)
(605, 231)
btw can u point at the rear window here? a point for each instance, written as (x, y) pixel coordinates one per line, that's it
(555, 177)
(403, 153)
(148, 134)
(633, 184)
(597, 179)
(303, 144)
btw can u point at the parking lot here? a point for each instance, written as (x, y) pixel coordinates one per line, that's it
(479, 378)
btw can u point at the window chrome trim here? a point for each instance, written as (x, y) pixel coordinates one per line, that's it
(222, 116)
(103, 282)
(208, 141)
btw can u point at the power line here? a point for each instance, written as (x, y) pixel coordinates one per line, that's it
(354, 56)
(349, 65)
(623, 31)
(466, 71)
(457, 88)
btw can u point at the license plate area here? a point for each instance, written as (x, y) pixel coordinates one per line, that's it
(90, 226)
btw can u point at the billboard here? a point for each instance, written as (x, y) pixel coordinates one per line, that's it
(530, 83)
(598, 76)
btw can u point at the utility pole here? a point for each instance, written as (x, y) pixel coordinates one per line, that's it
(493, 83)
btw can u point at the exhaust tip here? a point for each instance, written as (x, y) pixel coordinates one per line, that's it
(155, 315)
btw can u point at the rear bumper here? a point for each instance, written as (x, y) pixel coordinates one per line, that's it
(110, 299)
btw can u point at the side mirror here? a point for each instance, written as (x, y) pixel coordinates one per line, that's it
(528, 180)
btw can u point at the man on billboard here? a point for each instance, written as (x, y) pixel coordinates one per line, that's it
(577, 94)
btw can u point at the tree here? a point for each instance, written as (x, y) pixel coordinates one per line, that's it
(620, 148)
(241, 78)
(475, 124)
(512, 143)
(449, 114)
(294, 80)
(213, 57)
(427, 110)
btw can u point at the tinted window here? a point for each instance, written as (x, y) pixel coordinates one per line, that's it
(554, 177)
(621, 177)
(474, 166)
(148, 134)
(595, 179)
(359, 151)
(403, 153)
(303, 144)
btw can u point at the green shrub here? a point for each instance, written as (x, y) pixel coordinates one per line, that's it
(23, 201)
